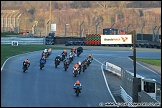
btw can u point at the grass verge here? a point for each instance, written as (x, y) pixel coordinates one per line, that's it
(155, 62)
(8, 50)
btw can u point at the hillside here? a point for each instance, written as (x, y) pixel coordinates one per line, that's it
(106, 17)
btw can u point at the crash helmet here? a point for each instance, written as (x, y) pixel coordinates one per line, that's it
(89, 55)
(26, 60)
(77, 82)
(65, 51)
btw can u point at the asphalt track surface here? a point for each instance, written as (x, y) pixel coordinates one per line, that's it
(53, 87)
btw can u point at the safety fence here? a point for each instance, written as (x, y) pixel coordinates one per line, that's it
(10, 40)
(125, 96)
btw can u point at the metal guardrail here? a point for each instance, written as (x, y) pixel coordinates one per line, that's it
(125, 96)
(8, 40)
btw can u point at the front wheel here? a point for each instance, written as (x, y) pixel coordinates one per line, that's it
(24, 69)
(70, 60)
(75, 75)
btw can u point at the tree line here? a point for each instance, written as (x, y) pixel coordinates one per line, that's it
(79, 4)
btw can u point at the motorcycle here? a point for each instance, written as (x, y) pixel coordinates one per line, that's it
(66, 65)
(57, 62)
(84, 66)
(25, 67)
(77, 90)
(75, 72)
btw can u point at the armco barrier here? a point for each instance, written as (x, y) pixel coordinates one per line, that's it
(126, 97)
(8, 40)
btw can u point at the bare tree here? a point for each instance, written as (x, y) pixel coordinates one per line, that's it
(122, 4)
(31, 7)
(31, 4)
(104, 4)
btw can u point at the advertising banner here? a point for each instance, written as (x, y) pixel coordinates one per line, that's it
(113, 68)
(116, 39)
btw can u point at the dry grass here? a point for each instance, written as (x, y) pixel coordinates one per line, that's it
(74, 16)
(155, 10)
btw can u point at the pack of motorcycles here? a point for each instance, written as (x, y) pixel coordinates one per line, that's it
(84, 64)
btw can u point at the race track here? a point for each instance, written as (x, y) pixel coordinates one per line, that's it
(52, 87)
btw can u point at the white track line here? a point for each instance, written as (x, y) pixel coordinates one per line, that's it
(98, 61)
(107, 84)
(14, 56)
(5, 62)
(105, 79)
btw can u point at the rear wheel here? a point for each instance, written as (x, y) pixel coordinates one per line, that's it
(24, 70)
(77, 54)
(77, 92)
(55, 65)
(88, 63)
(40, 68)
(84, 68)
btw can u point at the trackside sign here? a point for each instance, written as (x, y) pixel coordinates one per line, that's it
(53, 27)
(116, 39)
